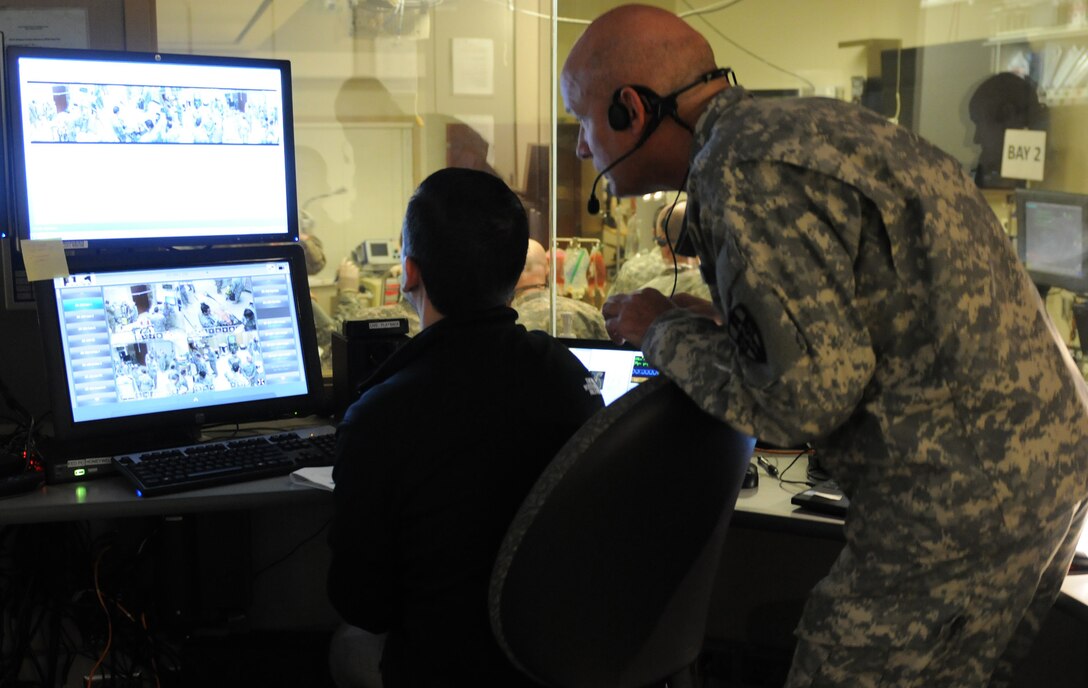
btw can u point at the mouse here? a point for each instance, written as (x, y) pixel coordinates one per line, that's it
(751, 477)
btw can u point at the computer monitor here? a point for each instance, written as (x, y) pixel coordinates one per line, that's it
(616, 368)
(1052, 238)
(122, 149)
(168, 341)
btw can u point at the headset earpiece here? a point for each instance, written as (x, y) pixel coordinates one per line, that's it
(618, 116)
(657, 108)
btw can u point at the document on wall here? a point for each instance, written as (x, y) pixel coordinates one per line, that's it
(319, 477)
(54, 27)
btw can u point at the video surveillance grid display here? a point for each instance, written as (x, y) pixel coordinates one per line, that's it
(147, 341)
(151, 149)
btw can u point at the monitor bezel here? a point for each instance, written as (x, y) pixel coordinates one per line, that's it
(20, 201)
(1041, 276)
(170, 424)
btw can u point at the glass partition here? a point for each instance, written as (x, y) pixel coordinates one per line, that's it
(387, 91)
(1001, 85)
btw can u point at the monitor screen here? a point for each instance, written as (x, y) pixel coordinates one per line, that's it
(120, 148)
(615, 368)
(1052, 238)
(180, 339)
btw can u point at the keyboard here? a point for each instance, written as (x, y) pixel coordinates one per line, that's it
(195, 466)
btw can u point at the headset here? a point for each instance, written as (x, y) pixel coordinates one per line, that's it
(659, 108)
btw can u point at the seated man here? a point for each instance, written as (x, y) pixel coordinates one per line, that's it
(657, 267)
(437, 454)
(681, 272)
(573, 318)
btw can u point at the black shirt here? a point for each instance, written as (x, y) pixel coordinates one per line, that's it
(433, 461)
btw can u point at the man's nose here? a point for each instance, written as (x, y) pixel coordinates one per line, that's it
(582, 150)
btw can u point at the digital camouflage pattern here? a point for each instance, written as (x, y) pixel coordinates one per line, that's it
(353, 305)
(574, 318)
(876, 309)
(639, 269)
(688, 281)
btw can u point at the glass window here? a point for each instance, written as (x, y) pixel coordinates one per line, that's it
(387, 91)
(1001, 85)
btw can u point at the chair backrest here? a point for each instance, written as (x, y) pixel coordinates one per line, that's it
(605, 575)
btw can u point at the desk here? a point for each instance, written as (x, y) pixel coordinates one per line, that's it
(767, 507)
(112, 497)
(774, 553)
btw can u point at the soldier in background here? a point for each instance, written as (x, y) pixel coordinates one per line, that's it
(352, 304)
(532, 301)
(661, 267)
(872, 307)
(681, 274)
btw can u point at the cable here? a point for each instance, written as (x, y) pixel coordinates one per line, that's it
(773, 470)
(708, 9)
(292, 551)
(740, 47)
(109, 620)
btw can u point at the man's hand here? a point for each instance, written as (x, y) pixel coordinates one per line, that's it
(700, 307)
(628, 316)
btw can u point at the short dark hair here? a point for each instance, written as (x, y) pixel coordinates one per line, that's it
(468, 233)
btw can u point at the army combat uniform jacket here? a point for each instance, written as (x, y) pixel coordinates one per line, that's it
(574, 318)
(875, 308)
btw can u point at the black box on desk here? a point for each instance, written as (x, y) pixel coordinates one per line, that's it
(358, 351)
(67, 462)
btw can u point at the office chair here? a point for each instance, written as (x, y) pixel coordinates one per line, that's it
(605, 575)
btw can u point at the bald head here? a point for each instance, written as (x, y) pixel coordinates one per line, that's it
(638, 44)
(535, 272)
(676, 222)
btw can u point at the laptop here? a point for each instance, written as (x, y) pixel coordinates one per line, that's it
(616, 368)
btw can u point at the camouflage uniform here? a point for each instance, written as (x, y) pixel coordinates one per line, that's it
(574, 318)
(688, 281)
(352, 305)
(638, 270)
(875, 308)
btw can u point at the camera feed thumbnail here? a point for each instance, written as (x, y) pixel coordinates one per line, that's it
(117, 113)
(182, 338)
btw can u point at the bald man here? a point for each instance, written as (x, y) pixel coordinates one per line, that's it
(874, 308)
(574, 318)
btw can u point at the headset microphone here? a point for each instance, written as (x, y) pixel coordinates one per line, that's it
(594, 205)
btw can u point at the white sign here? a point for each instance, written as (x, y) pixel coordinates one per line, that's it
(473, 67)
(1024, 154)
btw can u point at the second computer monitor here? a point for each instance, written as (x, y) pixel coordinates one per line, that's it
(140, 149)
(1052, 238)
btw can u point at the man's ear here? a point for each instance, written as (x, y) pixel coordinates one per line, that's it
(411, 279)
(638, 115)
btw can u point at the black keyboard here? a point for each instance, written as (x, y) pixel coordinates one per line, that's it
(195, 466)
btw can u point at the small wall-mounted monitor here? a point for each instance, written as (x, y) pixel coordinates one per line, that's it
(380, 253)
(163, 342)
(122, 149)
(1052, 238)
